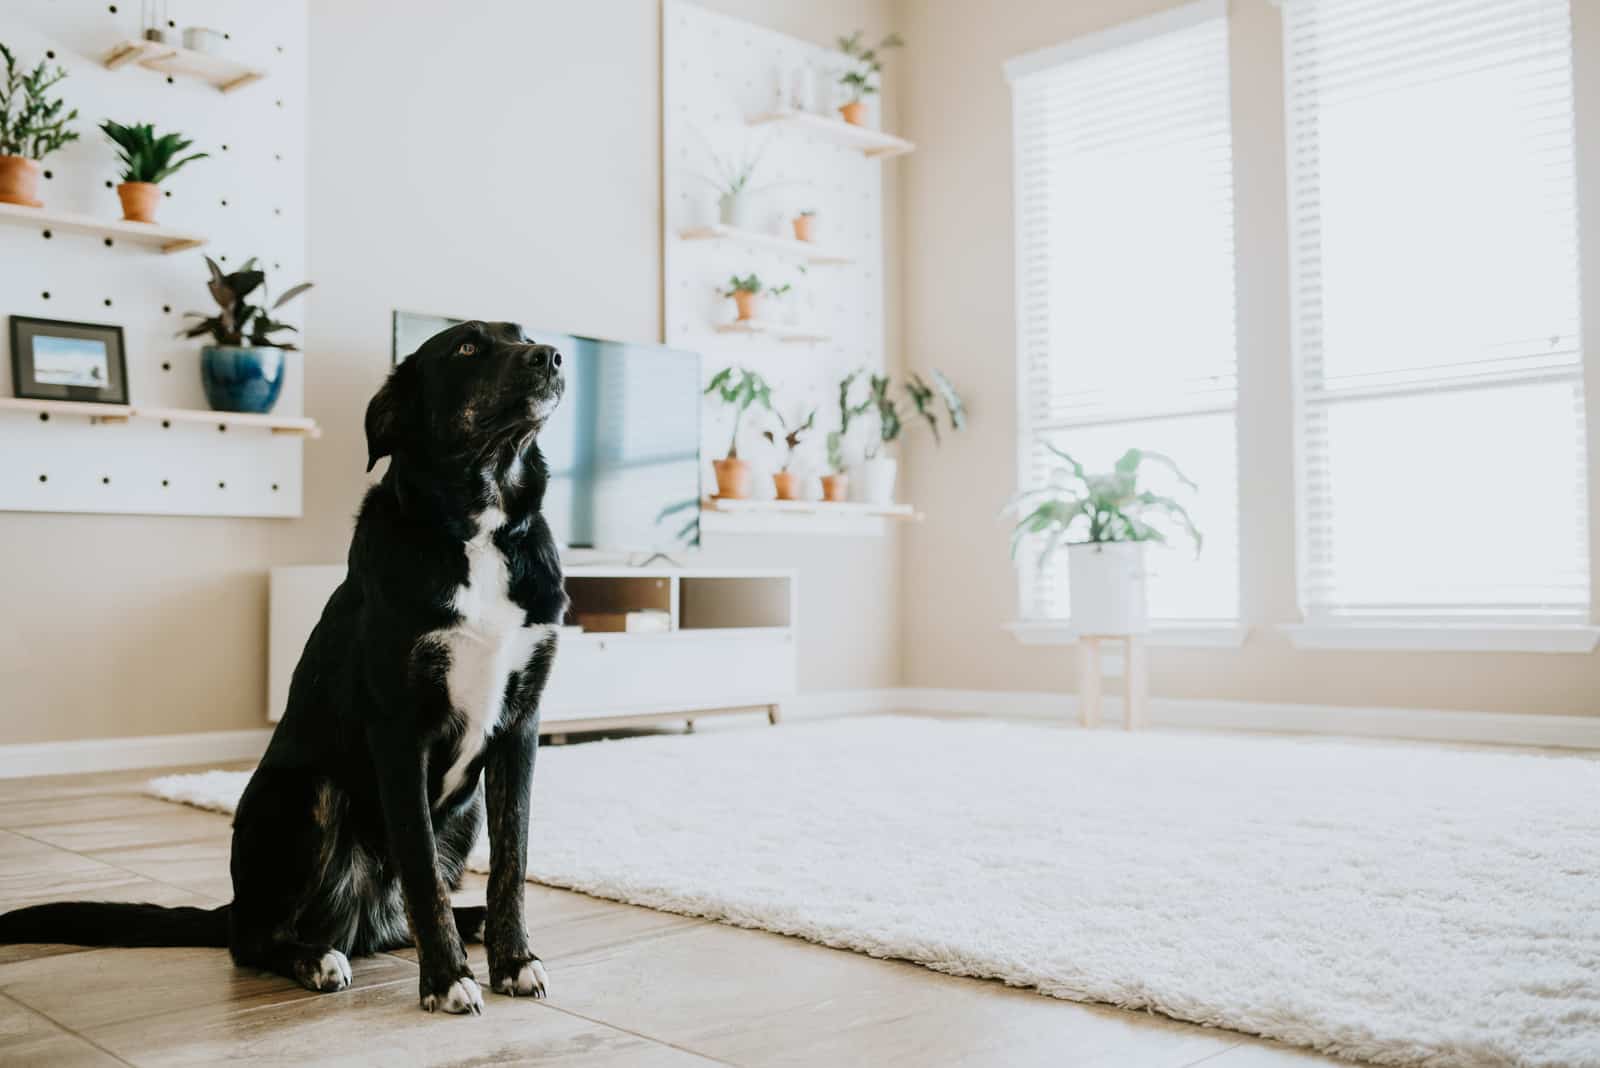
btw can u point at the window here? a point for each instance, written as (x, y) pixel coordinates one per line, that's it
(1125, 282)
(1435, 288)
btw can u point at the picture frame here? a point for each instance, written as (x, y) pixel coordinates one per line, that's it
(54, 359)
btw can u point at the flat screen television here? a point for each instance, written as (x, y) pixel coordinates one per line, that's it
(623, 447)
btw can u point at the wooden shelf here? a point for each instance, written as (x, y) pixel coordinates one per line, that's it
(872, 143)
(785, 246)
(847, 519)
(116, 229)
(747, 506)
(219, 72)
(121, 413)
(776, 331)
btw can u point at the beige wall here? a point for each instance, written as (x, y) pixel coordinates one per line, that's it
(489, 158)
(957, 257)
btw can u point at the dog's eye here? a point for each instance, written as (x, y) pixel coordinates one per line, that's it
(467, 350)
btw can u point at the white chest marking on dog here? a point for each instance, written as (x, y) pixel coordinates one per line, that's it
(485, 647)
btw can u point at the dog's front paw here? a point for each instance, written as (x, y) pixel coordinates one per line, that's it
(461, 996)
(520, 979)
(325, 973)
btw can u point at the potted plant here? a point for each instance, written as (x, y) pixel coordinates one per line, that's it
(740, 390)
(861, 79)
(872, 480)
(746, 294)
(147, 160)
(31, 127)
(802, 224)
(735, 194)
(243, 370)
(785, 482)
(1106, 520)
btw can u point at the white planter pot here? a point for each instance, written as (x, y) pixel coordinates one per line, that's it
(1106, 585)
(736, 211)
(872, 481)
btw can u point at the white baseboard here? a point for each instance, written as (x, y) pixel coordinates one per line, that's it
(1492, 728)
(120, 754)
(1488, 728)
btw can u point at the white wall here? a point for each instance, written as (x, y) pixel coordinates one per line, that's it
(957, 257)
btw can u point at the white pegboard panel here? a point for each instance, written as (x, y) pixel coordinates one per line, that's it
(248, 198)
(717, 71)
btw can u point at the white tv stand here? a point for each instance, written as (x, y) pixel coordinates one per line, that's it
(731, 647)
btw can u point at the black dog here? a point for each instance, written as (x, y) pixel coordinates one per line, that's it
(424, 671)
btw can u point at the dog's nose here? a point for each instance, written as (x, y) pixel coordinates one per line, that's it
(544, 357)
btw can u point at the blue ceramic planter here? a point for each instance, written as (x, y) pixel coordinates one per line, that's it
(242, 379)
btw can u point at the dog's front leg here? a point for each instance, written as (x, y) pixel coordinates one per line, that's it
(508, 780)
(446, 981)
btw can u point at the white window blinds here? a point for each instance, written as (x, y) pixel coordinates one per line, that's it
(1125, 281)
(1435, 295)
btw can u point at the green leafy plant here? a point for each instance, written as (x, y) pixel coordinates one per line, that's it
(780, 291)
(808, 213)
(751, 283)
(239, 322)
(740, 390)
(734, 175)
(31, 123)
(922, 396)
(1081, 508)
(880, 400)
(862, 77)
(146, 157)
(792, 435)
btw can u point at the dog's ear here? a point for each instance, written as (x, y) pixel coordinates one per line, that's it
(393, 412)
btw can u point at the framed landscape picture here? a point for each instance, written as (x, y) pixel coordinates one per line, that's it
(56, 360)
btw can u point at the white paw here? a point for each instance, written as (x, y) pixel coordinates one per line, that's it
(462, 997)
(330, 972)
(531, 980)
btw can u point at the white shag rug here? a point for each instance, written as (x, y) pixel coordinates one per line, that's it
(1395, 904)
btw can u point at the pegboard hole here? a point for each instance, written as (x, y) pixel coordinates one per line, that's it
(108, 184)
(51, 54)
(171, 80)
(222, 428)
(224, 203)
(166, 309)
(44, 417)
(166, 424)
(222, 485)
(166, 365)
(109, 242)
(48, 235)
(108, 302)
(274, 487)
(45, 294)
(166, 192)
(49, 174)
(224, 148)
(105, 480)
(44, 478)
(164, 483)
(113, 9)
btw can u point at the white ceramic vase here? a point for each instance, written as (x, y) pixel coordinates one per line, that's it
(1106, 585)
(872, 481)
(736, 210)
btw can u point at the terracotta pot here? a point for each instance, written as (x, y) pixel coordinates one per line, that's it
(139, 200)
(746, 303)
(787, 483)
(19, 181)
(836, 487)
(733, 478)
(855, 114)
(802, 228)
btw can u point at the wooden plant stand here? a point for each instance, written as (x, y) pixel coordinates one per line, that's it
(1136, 674)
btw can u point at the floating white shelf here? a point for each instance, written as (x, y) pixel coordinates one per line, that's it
(121, 413)
(719, 516)
(217, 71)
(870, 142)
(786, 246)
(117, 229)
(776, 331)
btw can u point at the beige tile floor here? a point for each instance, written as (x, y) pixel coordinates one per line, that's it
(629, 986)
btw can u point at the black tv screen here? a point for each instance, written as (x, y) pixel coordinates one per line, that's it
(623, 447)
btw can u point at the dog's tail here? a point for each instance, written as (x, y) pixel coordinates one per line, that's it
(115, 923)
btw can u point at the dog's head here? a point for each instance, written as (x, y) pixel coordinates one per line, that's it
(469, 393)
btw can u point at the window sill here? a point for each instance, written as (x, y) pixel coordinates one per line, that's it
(1170, 635)
(1444, 637)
